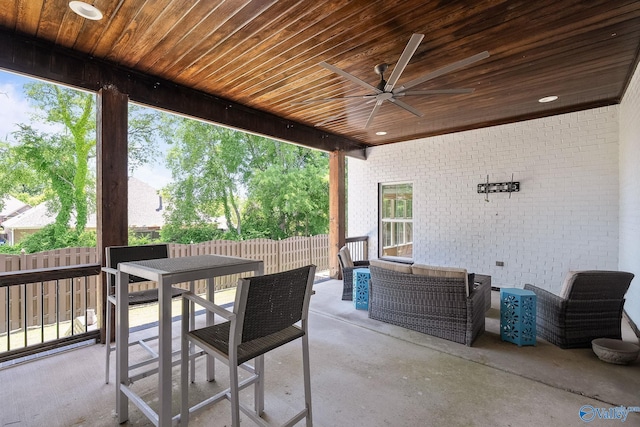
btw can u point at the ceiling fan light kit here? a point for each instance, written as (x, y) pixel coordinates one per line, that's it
(386, 90)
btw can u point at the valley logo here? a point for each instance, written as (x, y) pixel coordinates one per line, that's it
(588, 413)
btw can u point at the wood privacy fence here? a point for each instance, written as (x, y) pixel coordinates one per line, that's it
(54, 301)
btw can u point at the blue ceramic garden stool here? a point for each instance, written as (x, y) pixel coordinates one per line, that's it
(361, 278)
(518, 316)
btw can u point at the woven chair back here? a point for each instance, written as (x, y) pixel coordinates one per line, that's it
(275, 302)
(118, 254)
(594, 285)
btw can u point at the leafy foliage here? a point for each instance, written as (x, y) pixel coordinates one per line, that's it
(291, 196)
(56, 165)
(50, 237)
(263, 188)
(194, 233)
(206, 174)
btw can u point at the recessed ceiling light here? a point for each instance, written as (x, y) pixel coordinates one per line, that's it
(381, 133)
(548, 99)
(86, 10)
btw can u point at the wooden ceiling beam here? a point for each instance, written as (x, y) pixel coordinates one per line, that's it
(33, 57)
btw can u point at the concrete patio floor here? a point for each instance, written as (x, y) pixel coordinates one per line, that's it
(364, 373)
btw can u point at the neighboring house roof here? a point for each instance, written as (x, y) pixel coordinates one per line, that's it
(12, 207)
(145, 211)
(34, 218)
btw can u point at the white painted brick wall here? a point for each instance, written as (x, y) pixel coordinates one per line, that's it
(564, 217)
(630, 193)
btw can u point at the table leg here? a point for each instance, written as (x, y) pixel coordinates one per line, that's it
(192, 324)
(211, 361)
(122, 345)
(164, 350)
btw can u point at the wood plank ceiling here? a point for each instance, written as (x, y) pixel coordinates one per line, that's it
(265, 54)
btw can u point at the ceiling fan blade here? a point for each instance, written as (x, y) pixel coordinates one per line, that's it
(340, 98)
(444, 70)
(406, 56)
(349, 77)
(407, 107)
(373, 113)
(433, 92)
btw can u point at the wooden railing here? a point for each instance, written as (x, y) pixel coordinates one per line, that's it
(45, 297)
(47, 308)
(358, 248)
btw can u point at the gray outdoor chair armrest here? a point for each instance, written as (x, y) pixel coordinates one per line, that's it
(110, 270)
(208, 305)
(545, 297)
(550, 307)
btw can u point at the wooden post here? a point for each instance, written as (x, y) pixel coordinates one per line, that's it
(337, 209)
(112, 180)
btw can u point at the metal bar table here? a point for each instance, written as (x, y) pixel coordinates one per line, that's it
(166, 272)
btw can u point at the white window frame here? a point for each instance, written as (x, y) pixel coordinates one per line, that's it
(384, 239)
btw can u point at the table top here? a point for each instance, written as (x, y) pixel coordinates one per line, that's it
(183, 269)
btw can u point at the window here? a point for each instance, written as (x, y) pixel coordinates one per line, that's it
(396, 220)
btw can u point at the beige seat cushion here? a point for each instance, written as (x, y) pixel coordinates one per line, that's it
(394, 266)
(448, 272)
(567, 284)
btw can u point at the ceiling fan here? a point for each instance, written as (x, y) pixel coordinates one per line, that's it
(386, 90)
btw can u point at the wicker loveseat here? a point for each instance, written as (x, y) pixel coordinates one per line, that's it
(436, 301)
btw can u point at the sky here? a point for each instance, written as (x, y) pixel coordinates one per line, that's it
(15, 109)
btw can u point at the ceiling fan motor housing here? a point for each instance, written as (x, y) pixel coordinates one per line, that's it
(380, 69)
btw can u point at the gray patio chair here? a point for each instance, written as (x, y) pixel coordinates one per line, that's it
(115, 255)
(347, 265)
(589, 306)
(266, 314)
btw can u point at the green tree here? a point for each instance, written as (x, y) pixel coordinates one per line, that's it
(206, 163)
(290, 197)
(56, 165)
(19, 181)
(284, 187)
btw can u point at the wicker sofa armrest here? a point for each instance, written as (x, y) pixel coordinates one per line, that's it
(478, 292)
(476, 308)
